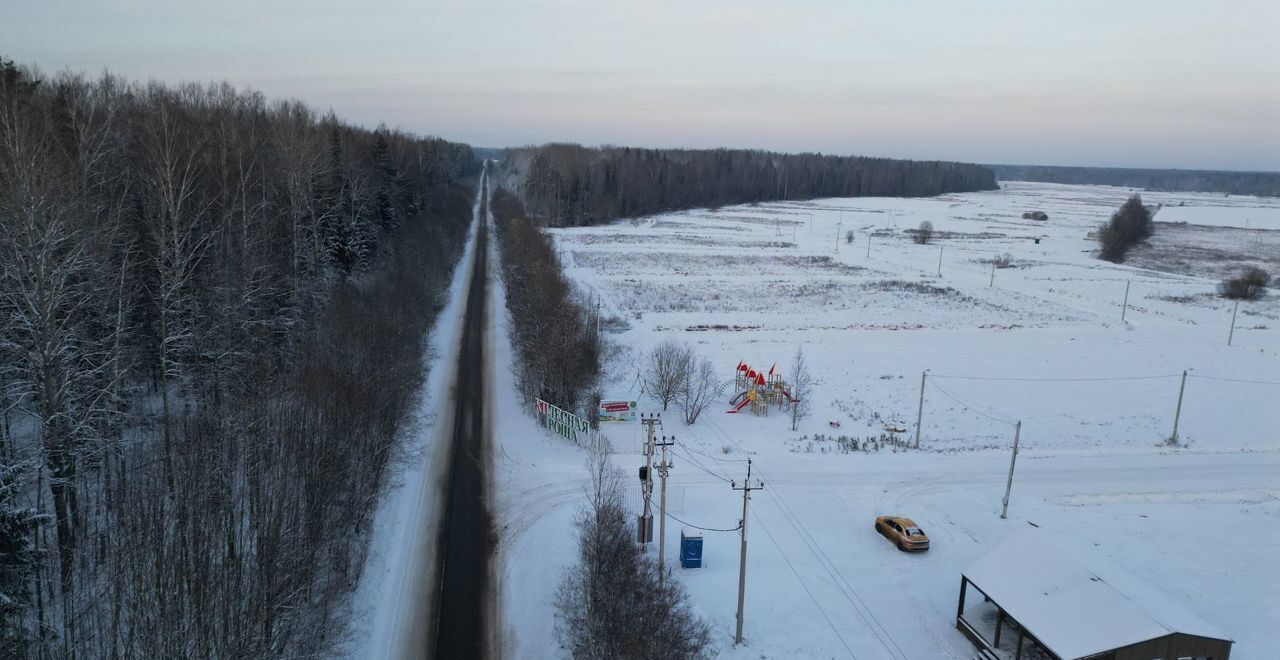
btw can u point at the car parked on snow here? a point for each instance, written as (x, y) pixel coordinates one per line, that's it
(904, 533)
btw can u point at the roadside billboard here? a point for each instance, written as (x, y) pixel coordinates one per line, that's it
(616, 410)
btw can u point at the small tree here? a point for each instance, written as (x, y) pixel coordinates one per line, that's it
(700, 387)
(1128, 226)
(609, 605)
(668, 368)
(1249, 285)
(924, 233)
(801, 388)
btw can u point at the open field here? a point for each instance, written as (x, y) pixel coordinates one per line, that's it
(1042, 343)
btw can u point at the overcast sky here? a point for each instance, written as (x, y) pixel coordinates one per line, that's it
(1076, 82)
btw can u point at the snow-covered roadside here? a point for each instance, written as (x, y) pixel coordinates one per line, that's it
(538, 481)
(401, 543)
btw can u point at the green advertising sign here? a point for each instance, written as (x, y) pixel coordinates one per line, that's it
(563, 422)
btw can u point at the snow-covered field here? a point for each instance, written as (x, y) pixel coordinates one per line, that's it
(1043, 343)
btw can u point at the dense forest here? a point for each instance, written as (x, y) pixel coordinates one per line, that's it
(568, 184)
(213, 312)
(1266, 184)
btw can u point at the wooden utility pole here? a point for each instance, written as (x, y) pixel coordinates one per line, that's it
(1008, 486)
(662, 509)
(993, 273)
(1177, 413)
(746, 489)
(920, 408)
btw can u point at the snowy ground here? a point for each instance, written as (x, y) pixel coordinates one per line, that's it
(1044, 345)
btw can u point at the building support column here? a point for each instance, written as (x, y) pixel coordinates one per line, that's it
(999, 620)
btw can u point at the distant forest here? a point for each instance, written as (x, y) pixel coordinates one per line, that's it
(213, 310)
(568, 184)
(1264, 184)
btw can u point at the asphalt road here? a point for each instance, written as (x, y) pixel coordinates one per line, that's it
(465, 544)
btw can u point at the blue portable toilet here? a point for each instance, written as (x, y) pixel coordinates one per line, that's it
(690, 548)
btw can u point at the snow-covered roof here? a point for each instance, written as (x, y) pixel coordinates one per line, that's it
(1072, 611)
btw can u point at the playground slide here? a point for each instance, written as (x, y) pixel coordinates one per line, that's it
(787, 394)
(741, 404)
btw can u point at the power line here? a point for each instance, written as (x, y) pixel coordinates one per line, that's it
(1234, 380)
(702, 467)
(833, 571)
(803, 585)
(1055, 380)
(985, 413)
(689, 524)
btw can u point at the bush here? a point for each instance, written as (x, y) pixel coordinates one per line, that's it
(609, 605)
(1249, 285)
(1128, 226)
(924, 234)
(552, 330)
(1035, 215)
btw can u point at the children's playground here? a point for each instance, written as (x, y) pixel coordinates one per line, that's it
(759, 390)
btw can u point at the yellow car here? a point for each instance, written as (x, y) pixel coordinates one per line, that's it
(903, 532)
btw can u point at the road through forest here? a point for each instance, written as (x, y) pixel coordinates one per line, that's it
(465, 544)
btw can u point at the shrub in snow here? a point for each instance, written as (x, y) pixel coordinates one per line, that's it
(1249, 285)
(1128, 226)
(924, 234)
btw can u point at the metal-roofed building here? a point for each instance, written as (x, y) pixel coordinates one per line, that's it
(1036, 602)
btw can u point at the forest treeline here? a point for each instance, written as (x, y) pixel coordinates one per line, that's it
(556, 342)
(568, 184)
(1266, 184)
(213, 312)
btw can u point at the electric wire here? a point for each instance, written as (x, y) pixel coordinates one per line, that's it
(1234, 380)
(833, 571)
(699, 465)
(985, 413)
(804, 586)
(689, 524)
(1054, 380)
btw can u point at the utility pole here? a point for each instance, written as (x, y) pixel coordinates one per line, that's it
(1233, 322)
(597, 320)
(993, 273)
(838, 226)
(810, 223)
(1124, 309)
(1008, 486)
(646, 485)
(662, 507)
(920, 409)
(746, 489)
(868, 245)
(1177, 413)
(939, 261)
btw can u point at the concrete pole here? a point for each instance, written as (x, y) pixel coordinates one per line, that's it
(647, 486)
(939, 261)
(838, 237)
(662, 505)
(993, 273)
(868, 246)
(1177, 414)
(1008, 486)
(1125, 308)
(1233, 322)
(742, 560)
(920, 408)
